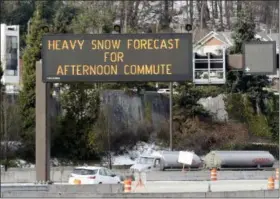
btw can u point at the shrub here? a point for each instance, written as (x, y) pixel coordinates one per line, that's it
(204, 136)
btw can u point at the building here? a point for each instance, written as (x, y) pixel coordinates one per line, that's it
(209, 68)
(10, 60)
(214, 44)
(209, 61)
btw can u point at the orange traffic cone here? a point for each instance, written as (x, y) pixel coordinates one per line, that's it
(127, 186)
(270, 183)
(213, 174)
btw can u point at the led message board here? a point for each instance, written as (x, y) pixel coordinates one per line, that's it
(117, 57)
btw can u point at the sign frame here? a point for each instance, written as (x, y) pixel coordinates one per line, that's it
(274, 58)
(120, 77)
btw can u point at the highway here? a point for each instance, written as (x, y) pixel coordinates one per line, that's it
(29, 176)
(166, 186)
(201, 186)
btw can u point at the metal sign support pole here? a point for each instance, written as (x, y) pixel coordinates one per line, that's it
(171, 115)
(279, 79)
(43, 130)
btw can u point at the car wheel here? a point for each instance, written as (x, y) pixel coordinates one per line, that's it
(119, 182)
(100, 183)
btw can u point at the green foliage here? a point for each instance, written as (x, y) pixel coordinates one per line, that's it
(259, 110)
(103, 137)
(128, 86)
(18, 15)
(257, 123)
(185, 104)
(243, 30)
(27, 94)
(272, 114)
(98, 136)
(148, 112)
(247, 101)
(240, 108)
(80, 104)
(9, 163)
(63, 18)
(209, 91)
(92, 17)
(79, 101)
(235, 106)
(21, 13)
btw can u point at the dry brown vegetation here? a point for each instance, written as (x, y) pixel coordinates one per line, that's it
(203, 136)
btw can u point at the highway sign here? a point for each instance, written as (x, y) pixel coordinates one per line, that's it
(259, 57)
(117, 57)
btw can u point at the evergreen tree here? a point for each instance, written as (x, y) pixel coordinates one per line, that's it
(80, 105)
(249, 85)
(27, 95)
(243, 29)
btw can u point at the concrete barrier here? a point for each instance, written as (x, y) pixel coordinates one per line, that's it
(241, 194)
(28, 175)
(22, 188)
(69, 189)
(61, 175)
(95, 189)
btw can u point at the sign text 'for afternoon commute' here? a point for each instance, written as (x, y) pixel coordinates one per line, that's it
(117, 57)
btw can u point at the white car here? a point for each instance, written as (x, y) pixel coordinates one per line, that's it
(166, 91)
(163, 90)
(93, 175)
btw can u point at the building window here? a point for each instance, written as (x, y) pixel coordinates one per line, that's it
(209, 68)
(11, 56)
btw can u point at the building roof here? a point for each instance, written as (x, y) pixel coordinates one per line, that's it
(226, 38)
(198, 34)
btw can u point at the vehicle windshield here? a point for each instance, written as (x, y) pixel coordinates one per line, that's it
(146, 160)
(89, 172)
(85, 171)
